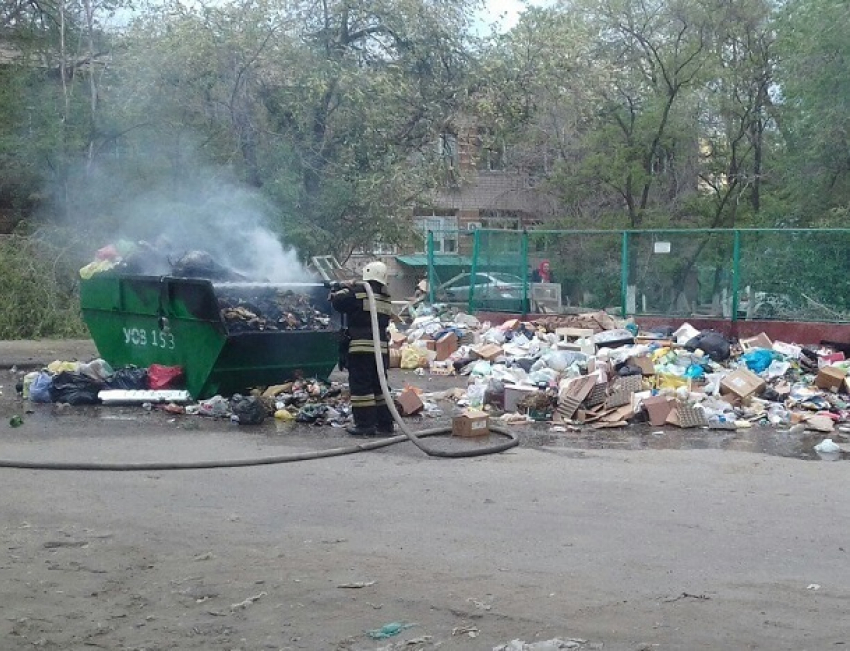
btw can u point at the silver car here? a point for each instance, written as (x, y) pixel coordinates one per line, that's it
(487, 286)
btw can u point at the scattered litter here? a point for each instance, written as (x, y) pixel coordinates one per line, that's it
(688, 595)
(203, 557)
(470, 630)
(547, 645)
(357, 584)
(16, 421)
(827, 446)
(249, 601)
(479, 604)
(813, 586)
(389, 630)
(406, 644)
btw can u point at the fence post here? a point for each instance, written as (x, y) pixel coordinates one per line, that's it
(432, 276)
(624, 275)
(476, 244)
(524, 249)
(736, 269)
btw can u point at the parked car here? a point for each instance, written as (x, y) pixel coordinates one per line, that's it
(485, 287)
(764, 305)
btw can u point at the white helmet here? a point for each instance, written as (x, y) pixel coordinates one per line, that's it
(375, 271)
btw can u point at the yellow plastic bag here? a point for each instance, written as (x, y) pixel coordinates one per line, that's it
(95, 268)
(412, 357)
(57, 367)
(670, 381)
(284, 415)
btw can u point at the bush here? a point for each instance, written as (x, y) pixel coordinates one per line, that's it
(40, 288)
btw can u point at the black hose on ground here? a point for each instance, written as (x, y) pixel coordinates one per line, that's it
(414, 437)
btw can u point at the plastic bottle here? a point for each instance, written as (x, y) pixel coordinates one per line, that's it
(475, 395)
(28, 380)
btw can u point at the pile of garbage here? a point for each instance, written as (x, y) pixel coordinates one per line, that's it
(310, 401)
(259, 308)
(602, 372)
(157, 259)
(83, 383)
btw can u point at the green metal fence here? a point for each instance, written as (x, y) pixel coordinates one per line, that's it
(789, 274)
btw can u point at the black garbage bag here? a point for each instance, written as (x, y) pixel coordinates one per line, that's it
(75, 389)
(248, 409)
(662, 331)
(200, 264)
(129, 378)
(712, 343)
(625, 370)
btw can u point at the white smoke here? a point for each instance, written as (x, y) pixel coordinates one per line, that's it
(216, 215)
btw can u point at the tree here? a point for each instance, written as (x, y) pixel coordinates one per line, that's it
(329, 109)
(814, 75)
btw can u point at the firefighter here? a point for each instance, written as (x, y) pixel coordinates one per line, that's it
(371, 414)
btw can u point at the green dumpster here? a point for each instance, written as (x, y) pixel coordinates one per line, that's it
(144, 320)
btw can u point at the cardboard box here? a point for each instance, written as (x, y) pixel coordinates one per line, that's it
(430, 344)
(658, 408)
(488, 351)
(645, 364)
(398, 339)
(761, 340)
(446, 346)
(471, 423)
(512, 324)
(409, 403)
(742, 383)
(830, 378)
(395, 358)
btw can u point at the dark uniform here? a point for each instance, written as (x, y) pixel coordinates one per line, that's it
(367, 402)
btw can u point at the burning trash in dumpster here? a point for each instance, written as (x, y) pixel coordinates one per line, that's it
(257, 308)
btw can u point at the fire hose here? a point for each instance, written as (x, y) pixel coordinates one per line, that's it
(511, 440)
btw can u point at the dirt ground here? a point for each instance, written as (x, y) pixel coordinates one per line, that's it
(615, 540)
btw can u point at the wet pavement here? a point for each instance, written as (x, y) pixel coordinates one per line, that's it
(135, 434)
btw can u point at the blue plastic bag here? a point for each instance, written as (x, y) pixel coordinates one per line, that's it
(695, 372)
(40, 387)
(758, 360)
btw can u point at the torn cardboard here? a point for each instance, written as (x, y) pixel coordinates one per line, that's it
(409, 403)
(488, 352)
(445, 346)
(658, 408)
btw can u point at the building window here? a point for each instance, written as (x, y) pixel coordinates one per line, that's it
(447, 149)
(378, 247)
(509, 220)
(490, 152)
(444, 228)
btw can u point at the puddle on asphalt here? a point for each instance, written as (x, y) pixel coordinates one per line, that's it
(774, 442)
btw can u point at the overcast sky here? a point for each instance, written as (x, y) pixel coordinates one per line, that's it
(504, 12)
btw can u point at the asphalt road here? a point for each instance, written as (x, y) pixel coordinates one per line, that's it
(622, 549)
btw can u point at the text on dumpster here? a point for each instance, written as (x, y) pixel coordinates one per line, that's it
(154, 337)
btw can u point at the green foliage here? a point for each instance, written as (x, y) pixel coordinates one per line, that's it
(40, 292)
(815, 72)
